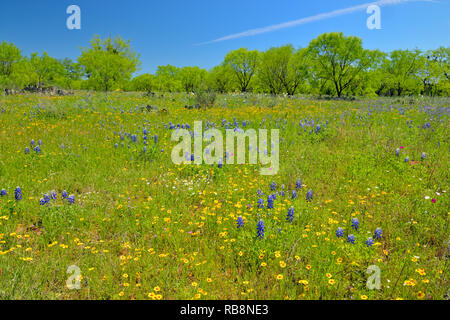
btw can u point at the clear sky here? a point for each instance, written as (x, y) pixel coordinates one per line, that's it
(180, 32)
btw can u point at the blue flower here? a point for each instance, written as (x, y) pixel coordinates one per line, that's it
(298, 184)
(240, 222)
(294, 194)
(64, 194)
(369, 241)
(260, 229)
(309, 195)
(355, 223)
(18, 194)
(37, 149)
(397, 152)
(27, 150)
(53, 195)
(71, 199)
(423, 156)
(407, 159)
(32, 142)
(378, 233)
(269, 202)
(3, 192)
(290, 215)
(339, 232)
(46, 198)
(273, 186)
(42, 201)
(351, 238)
(260, 203)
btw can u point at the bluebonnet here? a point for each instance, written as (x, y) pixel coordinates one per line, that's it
(155, 138)
(351, 238)
(423, 156)
(298, 184)
(339, 232)
(42, 201)
(260, 203)
(273, 186)
(64, 194)
(407, 159)
(40, 142)
(53, 195)
(27, 150)
(37, 149)
(269, 202)
(71, 199)
(46, 197)
(309, 195)
(294, 194)
(369, 241)
(220, 164)
(3, 192)
(290, 215)
(18, 194)
(260, 229)
(192, 157)
(355, 223)
(240, 222)
(32, 142)
(378, 233)
(281, 192)
(397, 152)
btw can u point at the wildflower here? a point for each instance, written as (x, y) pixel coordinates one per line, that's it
(351, 238)
(269, 202)
(378, 233)
(46, 198)
(260, 203)
(27, 150)
(3, 192)
(37, 149)
(339, 232)
(309, 195)
(433, 200)
(407, 159)
(42, 201)
(71, 199)
(53, 195)
(240, 222)
(397, 152)
(32, 142)
(279, 277)
(18, 194)
(355, 223)
(298, 184)
(273, 186)
(423, 156)
(369, 241)
(260, 229)
(64, 194)
(290, 215)
(294, 194)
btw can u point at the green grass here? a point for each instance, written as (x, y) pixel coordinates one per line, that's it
(144, 228)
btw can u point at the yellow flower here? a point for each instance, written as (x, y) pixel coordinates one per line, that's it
(279, 277)
(194, 284)
(308, 267)
(420, 295)
(263, 264)
(331, 281)
(364, 297)
(121, 293)
(156, 289)
(282, 264)
(329, 275)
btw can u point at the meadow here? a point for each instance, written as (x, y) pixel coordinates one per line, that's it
(89, 193)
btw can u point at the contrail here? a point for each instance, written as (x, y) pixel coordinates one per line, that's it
(309, 19)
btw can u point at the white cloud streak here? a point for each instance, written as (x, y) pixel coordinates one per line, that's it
(309, 19)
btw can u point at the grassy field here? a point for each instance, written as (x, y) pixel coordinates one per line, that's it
(142, 227)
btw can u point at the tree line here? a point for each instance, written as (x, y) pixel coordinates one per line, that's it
(332, 64)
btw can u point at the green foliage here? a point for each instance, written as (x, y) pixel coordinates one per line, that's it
(244, 64)
(108, 63)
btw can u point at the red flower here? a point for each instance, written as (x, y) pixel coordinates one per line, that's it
(433, 200)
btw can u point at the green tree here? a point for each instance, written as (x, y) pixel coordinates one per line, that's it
(9, 56)
(340, 59)
(109, 62)
(167, 78)
(44, 69)
(244, 64)
(191, 78)
(220, 79)
(144, 82)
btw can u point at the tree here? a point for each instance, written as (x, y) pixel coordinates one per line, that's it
(44, 69)
(220, 78)
(273, 68)
(340, 59)
(144, 82)
(244, 63)
(167, 78)
(191, 78)
(108, 62)
(401, 69)
(9, 56)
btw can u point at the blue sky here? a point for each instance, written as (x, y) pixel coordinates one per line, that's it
(169, 32)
